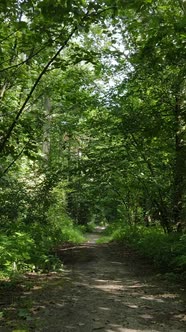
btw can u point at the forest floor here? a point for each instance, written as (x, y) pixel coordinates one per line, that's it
(105, 287)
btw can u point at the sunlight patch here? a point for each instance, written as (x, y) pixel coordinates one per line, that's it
(125, 329)
(104, 308)
(110, 287)
(152, 298)
(169, 296)
(132, 306)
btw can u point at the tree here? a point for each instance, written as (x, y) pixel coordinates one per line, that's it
(92, 113)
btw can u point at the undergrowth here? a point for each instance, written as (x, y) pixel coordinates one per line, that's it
(29, 244)
(88, 228)
(31, 249)
(166, 251)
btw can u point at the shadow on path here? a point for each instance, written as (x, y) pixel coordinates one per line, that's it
(105, 288)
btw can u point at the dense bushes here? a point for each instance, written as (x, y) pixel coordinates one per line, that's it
(31, 250)
(167, 251)
(28, 243)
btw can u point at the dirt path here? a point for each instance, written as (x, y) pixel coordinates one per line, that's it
(105, 288)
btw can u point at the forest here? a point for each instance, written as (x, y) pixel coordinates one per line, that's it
(92, 128)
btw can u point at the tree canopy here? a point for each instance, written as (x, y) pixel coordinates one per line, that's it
(92, 116)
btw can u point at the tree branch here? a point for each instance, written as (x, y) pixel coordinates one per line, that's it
(14, 123)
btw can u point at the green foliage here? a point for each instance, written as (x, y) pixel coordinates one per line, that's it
(92, 131)
(166, 251)
(180, 249)
(32, 251)
(20, 253)
(29, 246)
(104, 239)
(60, 227)
(88, 228)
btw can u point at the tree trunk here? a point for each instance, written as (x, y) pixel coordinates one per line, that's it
(179, 166)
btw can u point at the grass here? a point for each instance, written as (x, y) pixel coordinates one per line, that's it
(166, 251)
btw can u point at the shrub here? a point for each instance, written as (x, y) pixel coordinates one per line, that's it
(167, 251)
